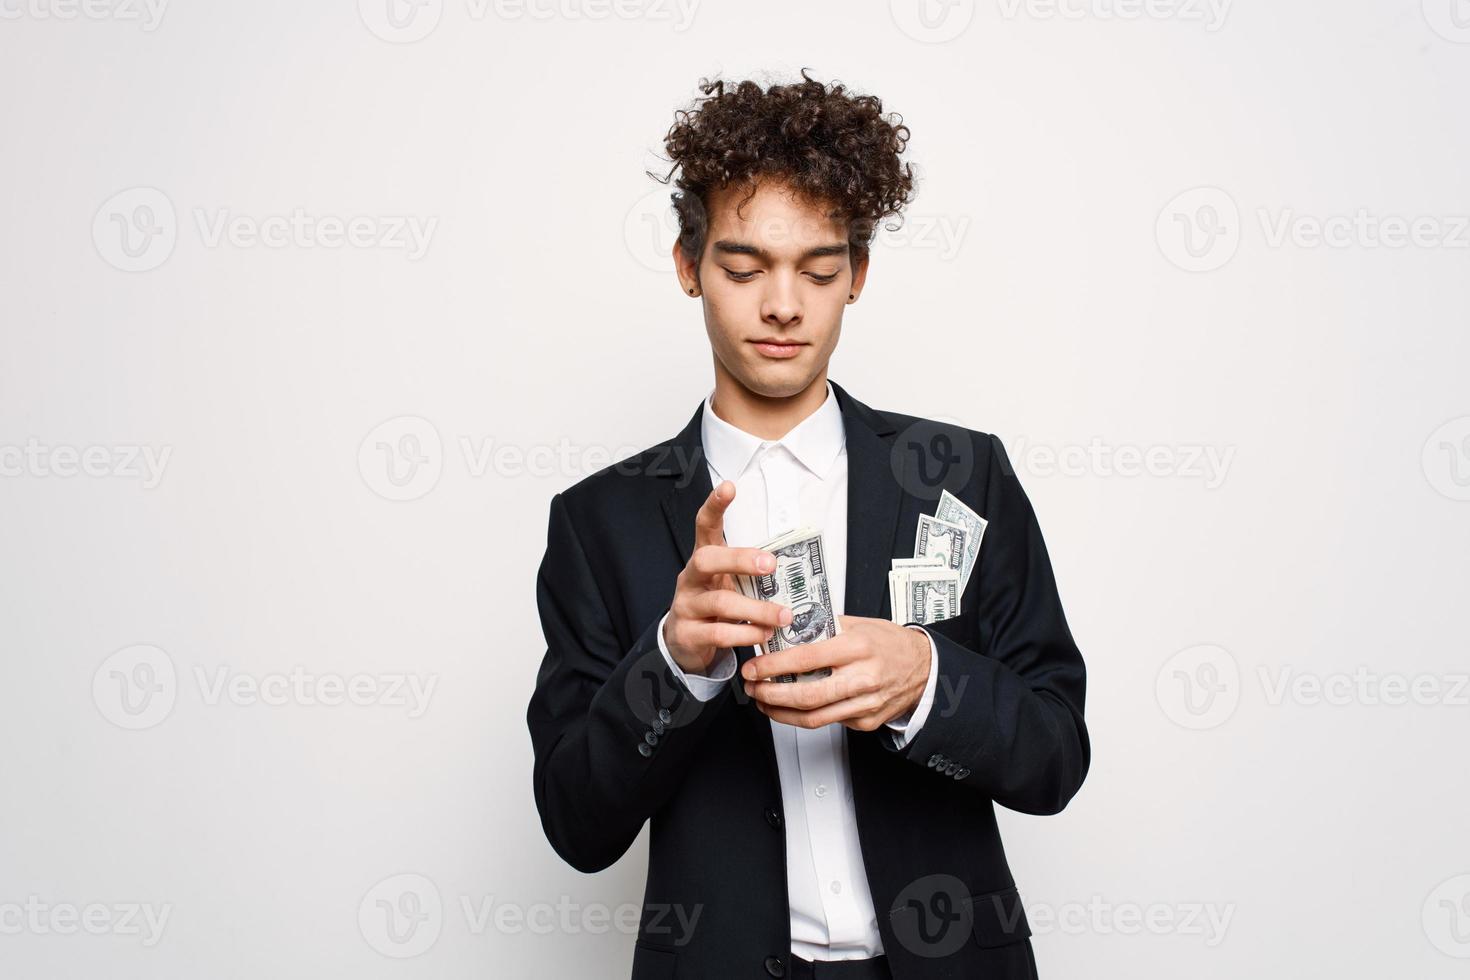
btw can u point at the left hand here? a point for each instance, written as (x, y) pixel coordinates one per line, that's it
(879, 671)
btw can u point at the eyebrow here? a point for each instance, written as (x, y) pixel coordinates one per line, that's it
(727, 247)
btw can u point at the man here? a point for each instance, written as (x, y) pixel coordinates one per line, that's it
(839, 826)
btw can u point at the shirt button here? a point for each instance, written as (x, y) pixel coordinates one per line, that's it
(773, 816)
(775, 967)
(836, 887)
(821, 790)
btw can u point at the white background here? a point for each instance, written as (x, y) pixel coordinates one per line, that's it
(1050, 285)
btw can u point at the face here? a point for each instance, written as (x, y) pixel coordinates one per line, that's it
(774, 280)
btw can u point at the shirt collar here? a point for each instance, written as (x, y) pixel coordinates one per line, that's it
(815, 441)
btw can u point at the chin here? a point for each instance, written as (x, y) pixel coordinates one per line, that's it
(778, 380)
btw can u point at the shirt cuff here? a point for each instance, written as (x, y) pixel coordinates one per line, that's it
(907, 725)
(703, 686)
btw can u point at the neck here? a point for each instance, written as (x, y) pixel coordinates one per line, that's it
(769, 417)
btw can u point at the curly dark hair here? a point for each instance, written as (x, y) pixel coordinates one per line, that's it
(835, 148)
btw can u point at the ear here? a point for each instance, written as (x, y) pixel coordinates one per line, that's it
(685, 271)
(859, 276)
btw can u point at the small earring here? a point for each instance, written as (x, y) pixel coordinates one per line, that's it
(691, 290)
(851, 296)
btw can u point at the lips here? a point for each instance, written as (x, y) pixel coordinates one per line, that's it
(773, 347)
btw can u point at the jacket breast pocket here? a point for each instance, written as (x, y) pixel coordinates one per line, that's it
(653, 962)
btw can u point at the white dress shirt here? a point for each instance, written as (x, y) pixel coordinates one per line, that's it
(801, 479)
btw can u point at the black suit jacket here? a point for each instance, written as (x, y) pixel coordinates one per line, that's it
(618, 740)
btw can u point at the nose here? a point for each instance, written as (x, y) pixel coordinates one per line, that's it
(781, 305)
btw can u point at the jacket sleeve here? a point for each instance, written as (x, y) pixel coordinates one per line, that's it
(1007, 718)
(612, 728)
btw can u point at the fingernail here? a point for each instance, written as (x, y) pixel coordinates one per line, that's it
(785, 617)
(765, 562)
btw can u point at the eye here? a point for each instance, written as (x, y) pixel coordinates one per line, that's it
(823, 280)
(740, 276)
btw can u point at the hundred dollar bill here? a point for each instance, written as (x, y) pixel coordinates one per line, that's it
(936, 538)
(953, 510)
(927, 594)
(798, 582)
(897, 581)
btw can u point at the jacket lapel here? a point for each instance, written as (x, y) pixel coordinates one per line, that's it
(874, 493)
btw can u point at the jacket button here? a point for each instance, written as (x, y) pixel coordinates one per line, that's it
(644, 749)
(934, 760)
(961, 772)
(650, 738)
(775, 967)
(658, 727)
(773, 817)
(664, 716)
(949, 770)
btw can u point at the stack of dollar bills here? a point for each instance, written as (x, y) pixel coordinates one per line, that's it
(922, 589)
(927, 587)
(798, 582)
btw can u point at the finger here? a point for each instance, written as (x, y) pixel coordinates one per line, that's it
(832, 652)
(709, 523)
(850, 709)
(809, 695)
(736, 607)
(719, 634)
(716, 559)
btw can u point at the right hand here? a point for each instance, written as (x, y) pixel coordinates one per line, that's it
(709, 613)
